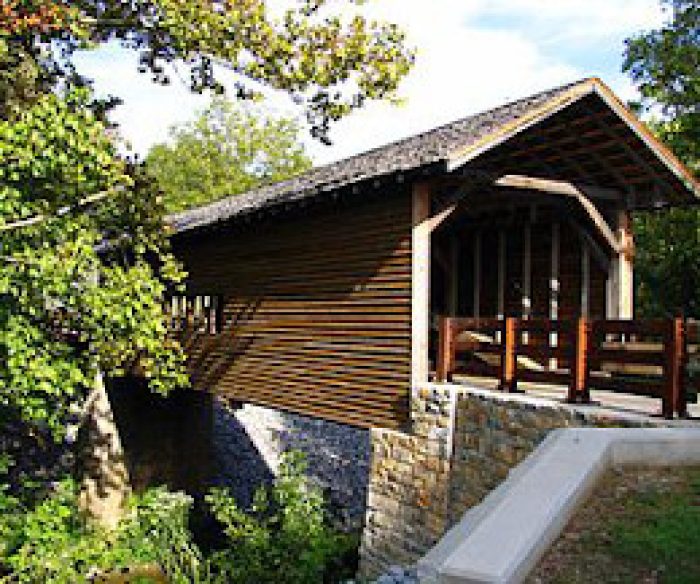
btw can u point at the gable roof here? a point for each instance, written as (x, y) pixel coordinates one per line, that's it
(449, 146)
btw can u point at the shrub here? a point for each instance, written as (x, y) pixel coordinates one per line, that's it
(283, 538)
(54, 543)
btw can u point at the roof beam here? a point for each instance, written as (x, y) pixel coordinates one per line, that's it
(662, 153)
(507, 131)
(436, 220)
(566, 189)
(646, 165)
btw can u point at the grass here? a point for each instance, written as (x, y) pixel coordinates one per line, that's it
(662, 532)
(641, 525)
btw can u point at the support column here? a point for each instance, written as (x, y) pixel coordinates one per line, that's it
(625, 267)
(501, 273)
(554, 287)
(526, 298)
(453, 291)
(105, 483)
(420, 284)
(611, 290)
(477, 274)
(501, 292)
(585, 279)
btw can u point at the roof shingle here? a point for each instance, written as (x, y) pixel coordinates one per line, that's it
(434, 146)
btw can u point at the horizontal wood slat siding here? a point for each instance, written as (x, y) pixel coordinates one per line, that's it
(317, 312)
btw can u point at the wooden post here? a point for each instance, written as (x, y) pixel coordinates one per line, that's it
(420, 284)
(585, 279)
(580, 370)
(674, 399)
(623, 290)
(453, 296)
(501, 300)
(554, 288)
(527, 276)
(477, 275)
(446, 352)
(509, 357)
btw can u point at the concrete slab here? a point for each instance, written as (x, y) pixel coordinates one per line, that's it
(502, 540)
(609, 400)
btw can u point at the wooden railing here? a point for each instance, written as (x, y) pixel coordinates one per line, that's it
(641, 357)
(195, 314)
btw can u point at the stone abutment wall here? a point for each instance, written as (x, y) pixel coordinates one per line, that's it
(463, 443)
(248, 442)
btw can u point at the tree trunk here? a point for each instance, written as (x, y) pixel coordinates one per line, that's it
(105, 482)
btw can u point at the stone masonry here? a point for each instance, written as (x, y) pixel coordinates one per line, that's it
(463, 443)
(249, 440)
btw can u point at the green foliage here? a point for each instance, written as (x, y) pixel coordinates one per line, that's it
(665, 64)
(228, 149)
(85, 258)
(53, 543)
(330, 64)
(284, 538)
(667, 269)
(10, 510)
(84, 276)
(84, 254)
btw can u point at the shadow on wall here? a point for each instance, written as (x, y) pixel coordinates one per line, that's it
(172, 441)
(192, 441)
(240, 466)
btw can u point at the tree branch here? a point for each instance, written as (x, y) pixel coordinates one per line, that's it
(29, 221)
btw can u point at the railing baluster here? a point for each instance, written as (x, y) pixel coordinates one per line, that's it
(652, 363)
(446, 350)
(509, 357)
(580, 368)
(674, 399)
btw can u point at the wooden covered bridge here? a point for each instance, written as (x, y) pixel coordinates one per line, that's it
(323, 294)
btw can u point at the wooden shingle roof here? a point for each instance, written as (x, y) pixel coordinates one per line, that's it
(447, 147)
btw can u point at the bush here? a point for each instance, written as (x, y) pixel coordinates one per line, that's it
(54, 543)
(284, 538)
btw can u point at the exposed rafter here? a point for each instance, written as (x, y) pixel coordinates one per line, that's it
(555, 187)
(645, 164)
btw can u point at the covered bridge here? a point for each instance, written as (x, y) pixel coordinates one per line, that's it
(319, 294)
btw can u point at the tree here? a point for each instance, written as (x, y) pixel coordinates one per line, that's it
(328, 63)
(227, 150)
(86, 263)
(665, 64)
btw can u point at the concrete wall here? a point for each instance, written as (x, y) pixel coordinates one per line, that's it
(463, 444)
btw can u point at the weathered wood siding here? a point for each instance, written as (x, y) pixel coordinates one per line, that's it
(317, 315)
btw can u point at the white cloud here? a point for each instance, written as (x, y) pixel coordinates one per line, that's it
(473, 54)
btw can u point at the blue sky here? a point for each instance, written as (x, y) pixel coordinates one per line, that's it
(472, 55)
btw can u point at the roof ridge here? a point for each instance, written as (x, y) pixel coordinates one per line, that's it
(511, 103)
(451, 144)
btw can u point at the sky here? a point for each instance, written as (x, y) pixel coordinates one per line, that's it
(472, 55)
